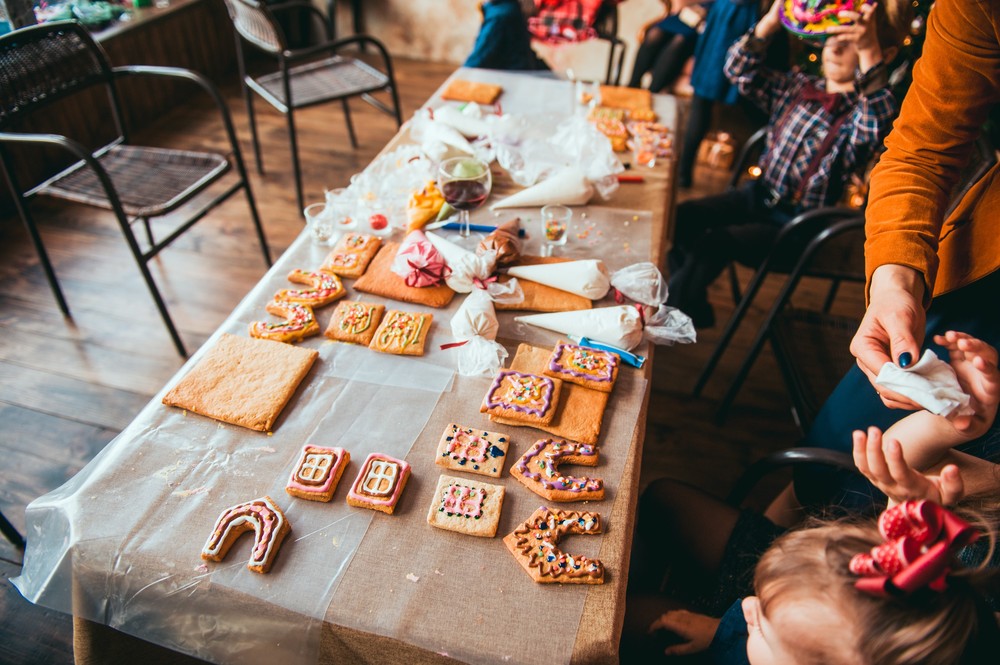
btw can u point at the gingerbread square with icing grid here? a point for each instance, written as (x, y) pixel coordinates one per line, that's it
(317, 473)
(355, 322)
(584, 366)
(466, 506)
(351, 255)
(402, 333)
(526, 398)
(473, 450)
(379, 483)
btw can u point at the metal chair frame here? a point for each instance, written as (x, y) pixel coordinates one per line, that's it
(64, 56)
(255, 24)
(785, 458)
(606, 26)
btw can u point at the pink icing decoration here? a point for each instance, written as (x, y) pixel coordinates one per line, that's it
(339, 459)
(402, 469)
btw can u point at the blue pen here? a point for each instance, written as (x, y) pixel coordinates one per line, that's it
(626, 356)
(481, 228)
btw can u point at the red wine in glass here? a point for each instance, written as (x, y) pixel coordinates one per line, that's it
(465, 194)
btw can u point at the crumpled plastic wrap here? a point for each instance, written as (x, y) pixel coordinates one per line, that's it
(643, 283)
(437, 139)
(475, 323)
(466, 267)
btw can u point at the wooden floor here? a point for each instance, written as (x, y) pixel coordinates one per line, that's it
(67, 387)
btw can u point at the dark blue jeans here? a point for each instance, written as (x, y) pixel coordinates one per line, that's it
(854, 404)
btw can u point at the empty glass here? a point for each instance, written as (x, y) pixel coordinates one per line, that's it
(320, 222)
(555, 227)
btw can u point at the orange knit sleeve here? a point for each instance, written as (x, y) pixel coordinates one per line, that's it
(955, 83)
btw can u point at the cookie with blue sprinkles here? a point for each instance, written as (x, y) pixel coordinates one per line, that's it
(473, 450)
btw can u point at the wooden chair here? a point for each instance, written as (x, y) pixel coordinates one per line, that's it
(58, 61)
(606, 25)
(308, 76)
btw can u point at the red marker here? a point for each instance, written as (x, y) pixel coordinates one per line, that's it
(630, 177)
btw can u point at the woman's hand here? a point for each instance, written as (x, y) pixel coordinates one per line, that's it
(697, 631)
(893, 326)
(884, 465)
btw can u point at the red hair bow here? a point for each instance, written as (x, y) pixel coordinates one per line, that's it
(921, 538)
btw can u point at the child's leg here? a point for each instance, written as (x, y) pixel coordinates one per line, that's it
(654, 41)
(699, 119)
(975, 363)
(670, 61)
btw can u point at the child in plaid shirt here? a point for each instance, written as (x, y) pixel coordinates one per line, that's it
(820, 132)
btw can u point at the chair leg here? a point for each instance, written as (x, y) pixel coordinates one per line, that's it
(350, 125)
(149, 230)
(245, 181)
(43, 256)
(248, 98)
(730, 330)
(734, 283)
(395, 105)
(831, 295)
(10, 533)
(295, 161)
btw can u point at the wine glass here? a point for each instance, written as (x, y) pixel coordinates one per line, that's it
(465, 183)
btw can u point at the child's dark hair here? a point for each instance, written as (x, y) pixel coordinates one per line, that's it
(928, 627)
(892, 21)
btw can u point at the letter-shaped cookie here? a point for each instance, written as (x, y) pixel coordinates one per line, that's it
(538, 470)
(325, 288)
(535, 545)
(264, 518)
(300, 322)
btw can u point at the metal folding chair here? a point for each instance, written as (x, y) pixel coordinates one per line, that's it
(52, 62)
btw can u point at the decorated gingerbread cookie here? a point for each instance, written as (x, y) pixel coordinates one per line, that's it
(473, 450)
(325, 288)
(351, 255)
(467, 506)
(299, 323)
(535, 545)
(317, 473)
(812, 18)
(402, 333)
(355, 322)
(527, 398)
(379, 483)
(264, 518)
(584, 366)
(538, 470)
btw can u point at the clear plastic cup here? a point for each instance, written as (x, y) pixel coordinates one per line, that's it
(319, 220)
(555, 227)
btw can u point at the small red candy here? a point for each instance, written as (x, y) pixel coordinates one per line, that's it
(378, 221)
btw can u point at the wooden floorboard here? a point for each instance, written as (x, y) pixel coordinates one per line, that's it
(68, 386)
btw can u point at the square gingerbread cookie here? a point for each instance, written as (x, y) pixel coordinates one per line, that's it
(584, 366)
(351, 255)
(355, 322)
(379, 483)
(402, 333)
(466, 506)
(473, 450)
(528, 399)
(317, 473)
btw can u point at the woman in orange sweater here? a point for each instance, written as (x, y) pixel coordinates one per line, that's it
(928, 272)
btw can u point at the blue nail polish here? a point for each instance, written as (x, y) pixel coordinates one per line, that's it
(905, 359)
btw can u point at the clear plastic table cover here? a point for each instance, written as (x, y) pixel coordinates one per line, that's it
(119, 544)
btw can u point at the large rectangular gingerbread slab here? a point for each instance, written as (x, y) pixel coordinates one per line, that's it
(380, 280)
(580, 411)
(243, 381)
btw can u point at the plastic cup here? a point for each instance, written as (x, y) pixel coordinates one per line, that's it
(644, 148)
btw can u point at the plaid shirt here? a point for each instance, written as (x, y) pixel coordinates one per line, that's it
(798, 127)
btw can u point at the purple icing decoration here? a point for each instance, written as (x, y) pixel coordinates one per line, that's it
(564, 369)
(547, 388)
(548, 463)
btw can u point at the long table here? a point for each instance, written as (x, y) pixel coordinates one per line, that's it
(118, 546)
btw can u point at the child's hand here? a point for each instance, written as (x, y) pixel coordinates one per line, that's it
(859, 27)
(885, 466)
(697, 631)
(975, 363)
(770, 23)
